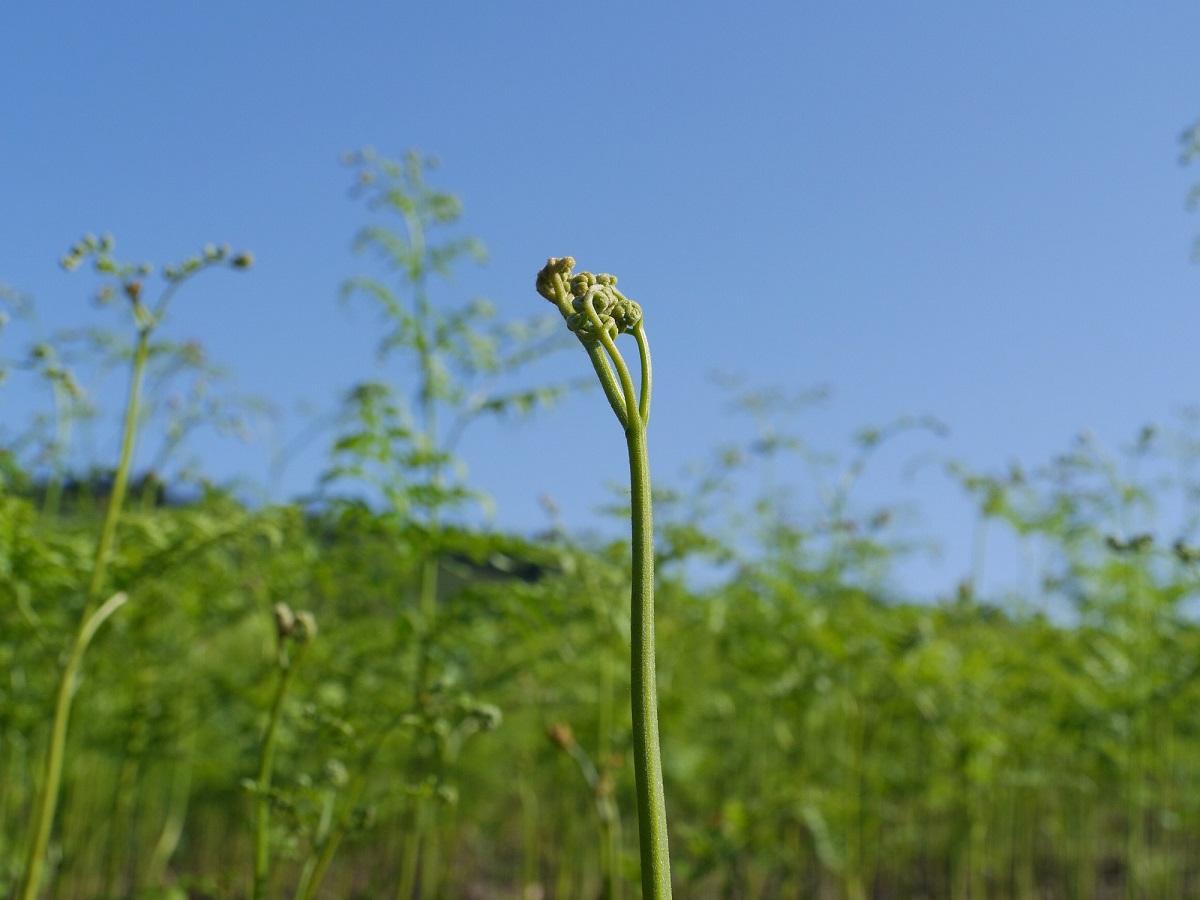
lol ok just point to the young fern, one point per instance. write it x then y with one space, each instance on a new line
597 313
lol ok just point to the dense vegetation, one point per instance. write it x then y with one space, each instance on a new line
363 694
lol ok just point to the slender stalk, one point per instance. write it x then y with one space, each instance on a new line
410 860
530 882
52 771
316 867
415 847
609 383
47 802
262 803
647 757
304 886
431 852
597 312
176 816
108 529
643 343
266 764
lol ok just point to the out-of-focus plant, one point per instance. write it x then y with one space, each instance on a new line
463 366
129 281
71 405
294 633
463 359
599 781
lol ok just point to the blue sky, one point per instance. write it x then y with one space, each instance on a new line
965 210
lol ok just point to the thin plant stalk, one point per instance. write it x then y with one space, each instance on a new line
108 529
303 629
324 826
597 313
47 802
647 755
410 861
176 816
415 843
330 838
94 614
266 763
530 880
52 772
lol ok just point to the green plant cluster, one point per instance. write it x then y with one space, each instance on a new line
365 695
817 738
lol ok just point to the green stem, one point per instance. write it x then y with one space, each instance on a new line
632 408
651 801
47 803
176 816
431 852
52 772
631 396
530 882
266 763
314 872
324 836
643 343
410 859
108 530
609 383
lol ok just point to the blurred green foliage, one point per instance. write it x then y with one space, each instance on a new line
460 725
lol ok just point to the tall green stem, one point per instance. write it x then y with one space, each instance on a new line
89 622
597 313
266 764
647 758
176 816
410 859
415 841
47 800
108 529
315 868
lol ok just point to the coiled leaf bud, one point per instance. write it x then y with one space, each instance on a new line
285 620
555 265
306 627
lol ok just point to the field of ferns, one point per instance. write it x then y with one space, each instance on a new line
366 693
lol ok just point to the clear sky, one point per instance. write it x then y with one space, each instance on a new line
969 210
